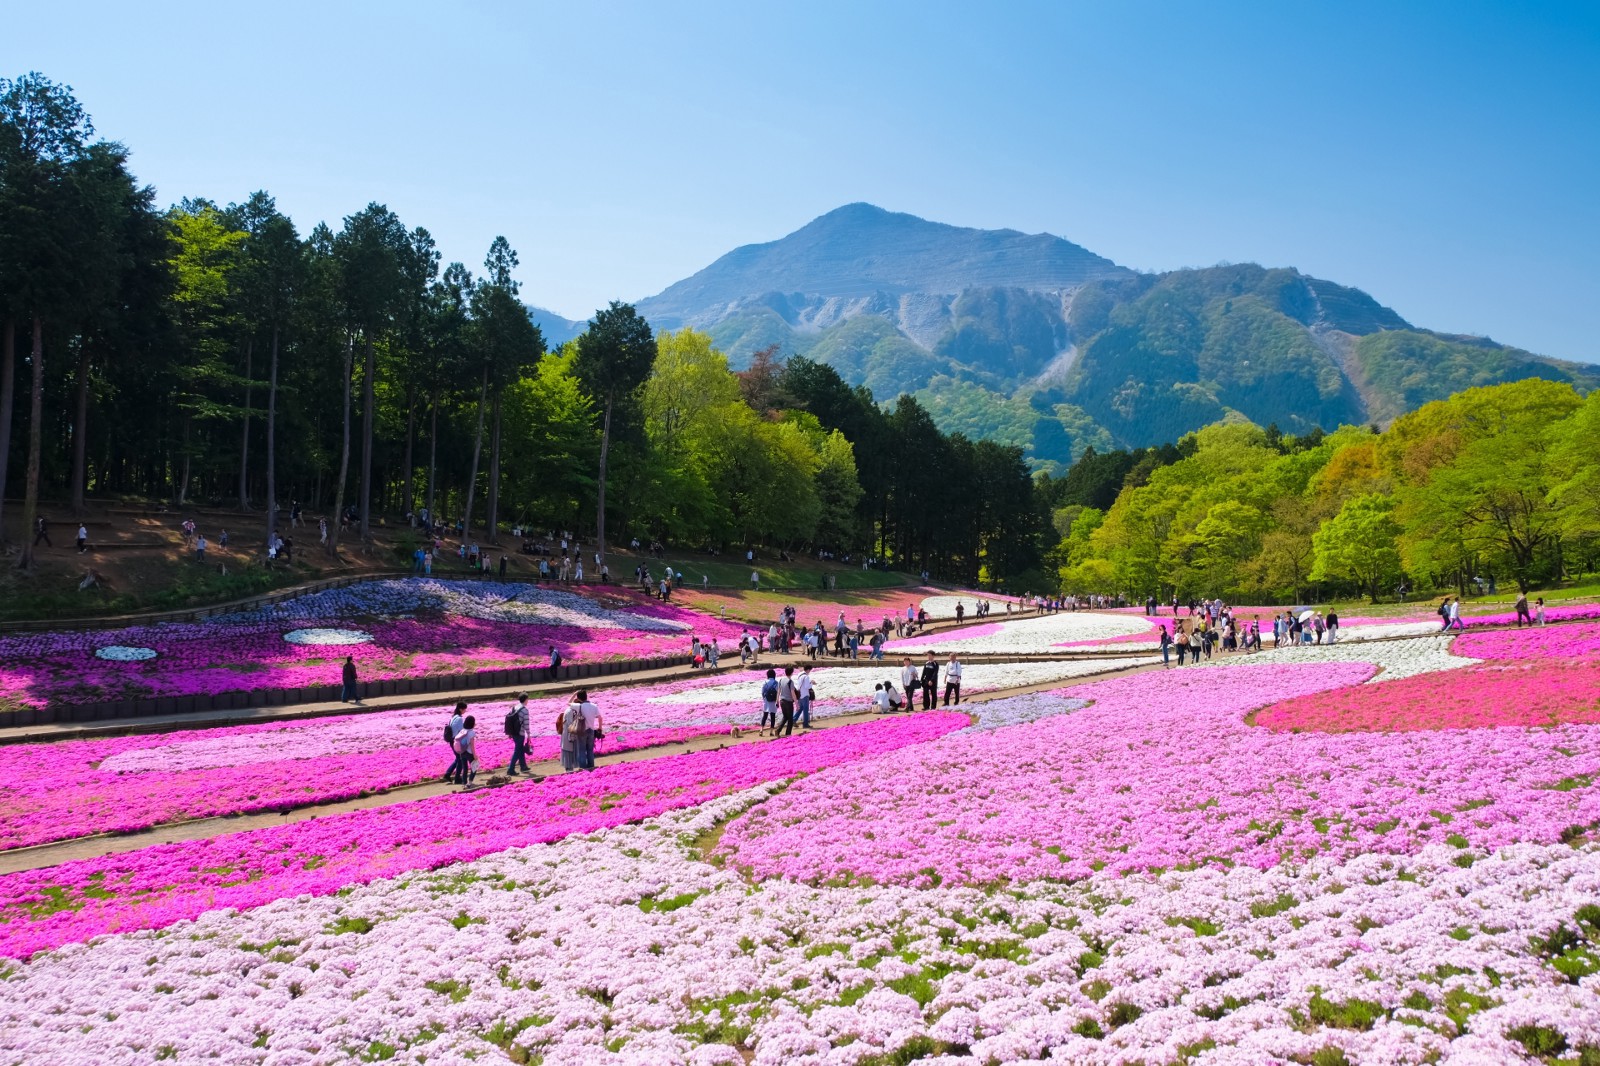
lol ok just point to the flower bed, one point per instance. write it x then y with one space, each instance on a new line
393 629
1488 696
51 792
1578 642
1161 772
625 946
1032 635
159 885
75 788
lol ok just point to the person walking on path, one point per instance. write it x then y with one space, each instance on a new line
200 548
952 680
455 725
1166 644
910 680
517 730
769 703
594 730
83 538
467 749
1522 610
1538 610
930 683
553 671
804 687
347 690
1455 615
1444 614
788 695
1332 622
41 531
1196 642
573 725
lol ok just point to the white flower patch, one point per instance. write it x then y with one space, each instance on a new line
1030 635
1020 710
1383 631
124 653
945 606
856 683
327 637
1398 658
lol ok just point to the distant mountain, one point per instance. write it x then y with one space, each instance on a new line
1035 341
556 330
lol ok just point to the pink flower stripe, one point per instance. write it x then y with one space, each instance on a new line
157 886
1576 612
1574 642
415 628
1493 695
1161 772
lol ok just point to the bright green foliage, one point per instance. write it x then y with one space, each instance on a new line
1358 544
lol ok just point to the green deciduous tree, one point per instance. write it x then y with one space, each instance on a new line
615 355
1359 545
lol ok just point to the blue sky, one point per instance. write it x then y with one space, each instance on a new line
1443 156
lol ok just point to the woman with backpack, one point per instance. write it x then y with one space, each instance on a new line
517 730
769 703
575 735
451 728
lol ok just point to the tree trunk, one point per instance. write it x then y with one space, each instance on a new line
30 499
433 453
409 496
8 385
272 440
477 448
494 474
80 430
368 403
344 455
244 444
183 481
600 507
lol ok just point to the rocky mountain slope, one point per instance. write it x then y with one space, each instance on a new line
1033 340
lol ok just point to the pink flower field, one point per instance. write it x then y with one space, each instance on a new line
399 628
168 882
1369 852
1162 771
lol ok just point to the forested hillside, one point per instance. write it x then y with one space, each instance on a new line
1492 483
215 351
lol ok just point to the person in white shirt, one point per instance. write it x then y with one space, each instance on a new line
952 679
806 691
910 680
83 539
880 699
595 731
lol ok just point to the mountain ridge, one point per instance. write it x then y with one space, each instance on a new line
1036 341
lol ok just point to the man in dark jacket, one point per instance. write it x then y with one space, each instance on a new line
930 683
347 694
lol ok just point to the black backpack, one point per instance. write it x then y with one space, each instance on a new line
513 724
449 734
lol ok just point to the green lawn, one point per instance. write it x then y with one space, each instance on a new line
799 574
